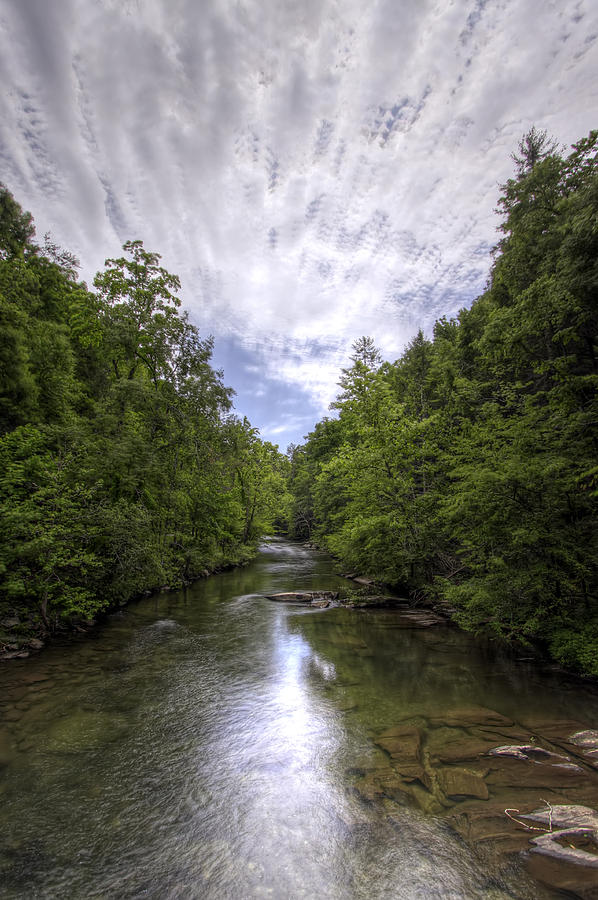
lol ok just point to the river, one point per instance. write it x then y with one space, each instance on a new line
208 744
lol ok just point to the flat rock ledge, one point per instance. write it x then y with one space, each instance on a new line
323 599
318 599
566 855
525 788
408 617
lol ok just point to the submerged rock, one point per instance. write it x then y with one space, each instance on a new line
403 744
84 730
469 716
457 782
567 860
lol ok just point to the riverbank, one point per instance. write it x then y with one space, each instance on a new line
21 638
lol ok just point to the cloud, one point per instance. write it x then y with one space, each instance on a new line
313 171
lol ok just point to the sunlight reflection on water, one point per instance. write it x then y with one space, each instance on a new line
199 745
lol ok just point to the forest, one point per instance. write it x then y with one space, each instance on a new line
123 468
466 473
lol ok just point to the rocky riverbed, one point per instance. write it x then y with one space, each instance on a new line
528 787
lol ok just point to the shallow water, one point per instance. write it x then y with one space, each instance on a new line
205 744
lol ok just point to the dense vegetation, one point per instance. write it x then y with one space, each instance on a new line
122 468
467 471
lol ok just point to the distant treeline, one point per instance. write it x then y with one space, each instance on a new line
467 471
122 468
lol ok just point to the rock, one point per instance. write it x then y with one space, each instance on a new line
528 751
452 745
569 767
567 859
36 644
511 772
561 844
378 784
556 731
564 816
403 745
516 752
456 782
303 596
468 716
361 579
401 740
11 622
426 801
573 878
588 740
486 824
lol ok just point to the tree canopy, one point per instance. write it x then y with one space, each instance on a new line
466 471
122 465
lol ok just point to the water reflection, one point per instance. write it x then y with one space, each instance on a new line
204 744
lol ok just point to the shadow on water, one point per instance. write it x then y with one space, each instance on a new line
206 743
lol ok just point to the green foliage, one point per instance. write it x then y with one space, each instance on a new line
577 648
466 470
121 466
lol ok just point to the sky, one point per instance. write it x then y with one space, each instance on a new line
313 170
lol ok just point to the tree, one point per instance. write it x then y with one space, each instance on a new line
534 146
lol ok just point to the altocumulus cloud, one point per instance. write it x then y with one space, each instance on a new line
313 170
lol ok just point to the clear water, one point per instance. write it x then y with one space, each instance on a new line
204 744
